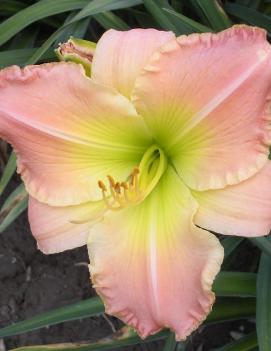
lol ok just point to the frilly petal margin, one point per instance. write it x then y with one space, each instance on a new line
120 56
243 209
68 132
62 228
206 100
151 266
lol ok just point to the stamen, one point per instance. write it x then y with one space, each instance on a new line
133 176
119 196
131 179
102 186
136 170
121 193
124 185
136 176
111 181
117 188
105 198
125 189
112 186
139 184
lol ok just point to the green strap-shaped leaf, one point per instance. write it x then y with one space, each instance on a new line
21 56
249 15
249 3
263 310
230 243
227 309
144 19
13 214
25 40
170 343
8 7
235 284
94 306
35 12
186 24
105 5
154 7
169 19
182 346
92 8
212 14
76 30
8 172
14 205
78 310
246 343
263 244
104 344
109 20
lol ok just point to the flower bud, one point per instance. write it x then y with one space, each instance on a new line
78 51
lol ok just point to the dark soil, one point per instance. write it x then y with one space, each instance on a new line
31 283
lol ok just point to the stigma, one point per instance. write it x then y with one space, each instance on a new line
118 195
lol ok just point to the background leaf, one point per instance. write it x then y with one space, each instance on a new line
263 244
249 15
35 12
212 13
247 343
263 311
14 205
8 172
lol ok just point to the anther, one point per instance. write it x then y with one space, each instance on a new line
136 171
117 188
124 185
111 181
105 198
102 186
133 176
121 193
131 179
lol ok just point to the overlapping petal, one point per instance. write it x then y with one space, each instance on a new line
68 131
120 56
152 266
205 99
62 228
243 209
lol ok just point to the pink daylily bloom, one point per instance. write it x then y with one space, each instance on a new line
168 136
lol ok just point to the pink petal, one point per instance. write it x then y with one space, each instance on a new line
62 228
68 131
243 209
152 267
205 100
120 56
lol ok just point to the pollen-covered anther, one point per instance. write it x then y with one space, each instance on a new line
117 188
134 175
102 186
124 185
111 181
121 194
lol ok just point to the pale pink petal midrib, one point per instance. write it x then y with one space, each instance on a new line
154 285
218 99
60 134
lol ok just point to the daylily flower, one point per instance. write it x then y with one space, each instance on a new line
168 136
